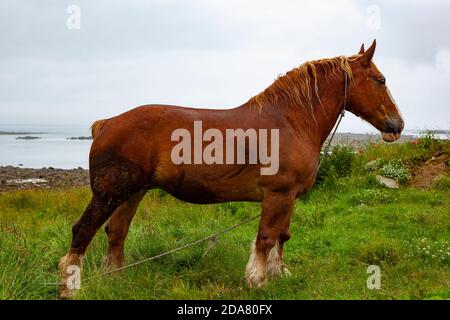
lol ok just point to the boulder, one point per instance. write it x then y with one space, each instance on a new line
388 182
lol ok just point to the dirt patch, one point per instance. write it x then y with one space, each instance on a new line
425 174
13 178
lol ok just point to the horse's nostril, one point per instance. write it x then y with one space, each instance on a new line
390 127
394 126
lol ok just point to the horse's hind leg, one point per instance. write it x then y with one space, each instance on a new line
117 230
264 257
112 184
97 212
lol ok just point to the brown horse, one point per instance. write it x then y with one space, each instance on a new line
132 153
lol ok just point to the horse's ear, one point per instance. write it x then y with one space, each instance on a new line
368 55
361 51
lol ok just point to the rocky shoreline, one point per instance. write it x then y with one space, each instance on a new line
14 178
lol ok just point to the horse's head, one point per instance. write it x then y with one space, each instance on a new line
370 99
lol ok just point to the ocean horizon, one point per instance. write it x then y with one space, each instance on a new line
51 145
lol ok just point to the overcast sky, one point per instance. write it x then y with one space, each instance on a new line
207 53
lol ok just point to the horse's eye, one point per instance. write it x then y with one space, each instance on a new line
382 81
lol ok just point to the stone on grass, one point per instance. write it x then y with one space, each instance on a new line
388 182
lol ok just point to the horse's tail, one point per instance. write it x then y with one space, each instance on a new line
97 127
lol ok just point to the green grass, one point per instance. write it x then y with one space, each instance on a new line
345 224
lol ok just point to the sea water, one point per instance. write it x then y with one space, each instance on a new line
52 149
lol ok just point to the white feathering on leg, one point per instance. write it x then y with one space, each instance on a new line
274 263
256 270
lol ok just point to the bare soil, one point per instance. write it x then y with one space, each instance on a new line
425 174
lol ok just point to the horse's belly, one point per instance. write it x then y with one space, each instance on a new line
204 192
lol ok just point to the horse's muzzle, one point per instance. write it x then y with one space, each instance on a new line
392 129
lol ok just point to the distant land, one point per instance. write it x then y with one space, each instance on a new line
438 131
359 139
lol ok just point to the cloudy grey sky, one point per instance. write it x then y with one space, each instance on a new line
210 54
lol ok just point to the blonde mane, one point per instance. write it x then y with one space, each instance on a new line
299 86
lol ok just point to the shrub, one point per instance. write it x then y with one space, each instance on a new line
395 169
428 142
372 165
425 147
329 179
337 164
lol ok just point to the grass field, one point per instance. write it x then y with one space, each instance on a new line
345 224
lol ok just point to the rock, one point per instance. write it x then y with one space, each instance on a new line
388 182
80 138
28 138
26 181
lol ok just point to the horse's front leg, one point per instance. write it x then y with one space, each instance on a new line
276 264
265 258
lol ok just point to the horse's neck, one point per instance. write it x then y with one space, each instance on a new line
318 126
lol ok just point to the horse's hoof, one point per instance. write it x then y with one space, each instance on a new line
110 264
66 293
255 281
